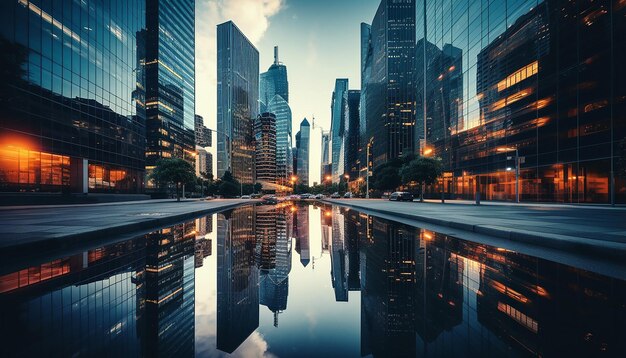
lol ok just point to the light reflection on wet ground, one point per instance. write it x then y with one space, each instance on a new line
291 280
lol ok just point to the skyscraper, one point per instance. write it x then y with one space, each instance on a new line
326 168
237 102
274 97
303 152
265 152
66 124
170 81
352 136
366 70
390 89
203 134
339 114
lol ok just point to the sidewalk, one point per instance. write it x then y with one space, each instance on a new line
596 230
44 226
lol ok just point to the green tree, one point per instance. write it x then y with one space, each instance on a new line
173 171
423 170
228 186
385 177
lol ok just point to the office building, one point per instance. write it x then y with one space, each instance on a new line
170 81
366 70
327 167
203 134
265 152
390 87
352 136
274 98
71 109
540 79
303 152
338 120
237 102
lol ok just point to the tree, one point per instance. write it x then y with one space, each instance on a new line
173 171
229 186
385 177
422 170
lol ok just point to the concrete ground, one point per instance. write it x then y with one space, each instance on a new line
24 226
600 229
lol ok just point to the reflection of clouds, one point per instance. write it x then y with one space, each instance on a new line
254 346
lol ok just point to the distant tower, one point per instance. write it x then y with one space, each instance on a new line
303 152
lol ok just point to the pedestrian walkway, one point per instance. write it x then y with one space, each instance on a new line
598 229
63 223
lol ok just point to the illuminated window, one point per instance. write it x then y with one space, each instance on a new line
518 76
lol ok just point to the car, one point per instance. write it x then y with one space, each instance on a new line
294 197
319 196
305 196
255 196
347 195
335 195
269 200
246 197
401 196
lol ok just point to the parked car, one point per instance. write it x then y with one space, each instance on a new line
255 196
335 195
294 197
319 196
246 197
305 196
269 200
401 196
347 195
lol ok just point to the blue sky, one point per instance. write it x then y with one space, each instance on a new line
319 41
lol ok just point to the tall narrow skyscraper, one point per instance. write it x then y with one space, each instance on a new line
237 102
339 113
274 97
351 138
265 142
303 152
170 81
390 89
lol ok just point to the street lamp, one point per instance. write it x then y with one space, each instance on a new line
293 182
517 162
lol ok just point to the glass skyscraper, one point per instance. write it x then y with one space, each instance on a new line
540 77
352 137
237 102
170 80
390 88
265 152
71 104
339 114
303 152
274 97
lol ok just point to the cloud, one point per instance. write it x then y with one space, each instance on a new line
251 16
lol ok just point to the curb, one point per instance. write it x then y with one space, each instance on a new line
603 249
61 241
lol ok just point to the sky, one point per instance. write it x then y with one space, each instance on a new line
318 40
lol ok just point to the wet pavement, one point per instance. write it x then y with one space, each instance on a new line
306 281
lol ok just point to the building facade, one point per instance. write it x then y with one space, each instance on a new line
274 98
203 134
536 78
170 81
265 144
352 137
303 152
390 85
71 109
338 120
237 102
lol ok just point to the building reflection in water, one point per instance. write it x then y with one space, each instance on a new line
421 293
428 294
129 299
301 232
274 245
237 278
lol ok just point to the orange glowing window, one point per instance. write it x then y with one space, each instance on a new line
33 275
518 76
28 167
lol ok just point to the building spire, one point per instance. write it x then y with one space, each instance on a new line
276 55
